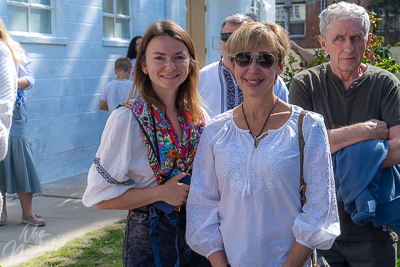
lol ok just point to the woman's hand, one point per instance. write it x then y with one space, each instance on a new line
174 192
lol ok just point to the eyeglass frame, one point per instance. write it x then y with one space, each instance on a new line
256 57
223 35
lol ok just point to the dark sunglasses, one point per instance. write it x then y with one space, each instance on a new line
264 60
225 36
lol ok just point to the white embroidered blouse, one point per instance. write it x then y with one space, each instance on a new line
121 161
246 199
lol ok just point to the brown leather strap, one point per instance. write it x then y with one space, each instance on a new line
302 143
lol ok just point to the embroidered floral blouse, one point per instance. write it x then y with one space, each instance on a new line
247 200
121 161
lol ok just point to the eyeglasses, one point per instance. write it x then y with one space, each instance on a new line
225 36
264 60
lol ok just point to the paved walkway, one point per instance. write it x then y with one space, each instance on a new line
66 218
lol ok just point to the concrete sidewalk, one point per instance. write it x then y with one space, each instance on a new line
66 217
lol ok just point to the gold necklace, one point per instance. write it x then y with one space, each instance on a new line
256 141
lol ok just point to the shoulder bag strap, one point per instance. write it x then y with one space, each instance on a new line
302 143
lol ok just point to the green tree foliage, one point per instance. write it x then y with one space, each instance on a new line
376 55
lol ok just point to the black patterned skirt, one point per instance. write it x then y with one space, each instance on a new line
137 249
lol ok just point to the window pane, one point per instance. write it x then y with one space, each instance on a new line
296 28
108 27
280 13
108 6
298 12
392 23
122 28
17 18
123 7
282 23
40 20
43 2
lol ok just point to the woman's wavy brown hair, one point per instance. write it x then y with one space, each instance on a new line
187 91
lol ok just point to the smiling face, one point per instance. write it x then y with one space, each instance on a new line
167 64
254 80
346 44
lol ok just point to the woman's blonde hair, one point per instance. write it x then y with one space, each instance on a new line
253 35
14 45
187 91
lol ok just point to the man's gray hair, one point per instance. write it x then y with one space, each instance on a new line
342 11
235 19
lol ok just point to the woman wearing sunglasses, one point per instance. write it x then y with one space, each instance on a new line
244 196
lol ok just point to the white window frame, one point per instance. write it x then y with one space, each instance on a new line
256 10
114 41
35 37
283 20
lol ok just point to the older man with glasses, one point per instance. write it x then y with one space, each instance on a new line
217 85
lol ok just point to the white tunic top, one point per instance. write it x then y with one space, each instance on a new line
121 158
247 200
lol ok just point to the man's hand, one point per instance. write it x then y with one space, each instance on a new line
376 129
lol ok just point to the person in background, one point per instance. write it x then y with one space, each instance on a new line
133 50
360 103
8 93
18 170
244 196
144 141
217 85
305 56
252 16
117 91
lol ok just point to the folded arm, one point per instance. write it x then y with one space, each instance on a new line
349 135
393 156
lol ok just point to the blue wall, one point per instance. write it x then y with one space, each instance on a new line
71 68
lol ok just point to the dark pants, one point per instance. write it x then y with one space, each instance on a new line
137 249
361 254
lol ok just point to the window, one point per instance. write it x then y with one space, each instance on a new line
256 8
297 19
33 16
380 24
116 19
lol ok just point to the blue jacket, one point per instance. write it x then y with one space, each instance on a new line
368 192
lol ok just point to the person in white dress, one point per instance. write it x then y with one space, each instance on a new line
18 172
244 197
144 141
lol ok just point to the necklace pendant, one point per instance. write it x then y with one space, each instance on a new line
256 142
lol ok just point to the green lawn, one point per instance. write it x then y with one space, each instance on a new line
102 247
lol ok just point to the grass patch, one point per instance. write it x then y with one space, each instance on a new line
102 247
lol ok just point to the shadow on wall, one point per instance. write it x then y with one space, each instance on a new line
64 120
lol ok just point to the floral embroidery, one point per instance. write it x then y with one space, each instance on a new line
165 151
